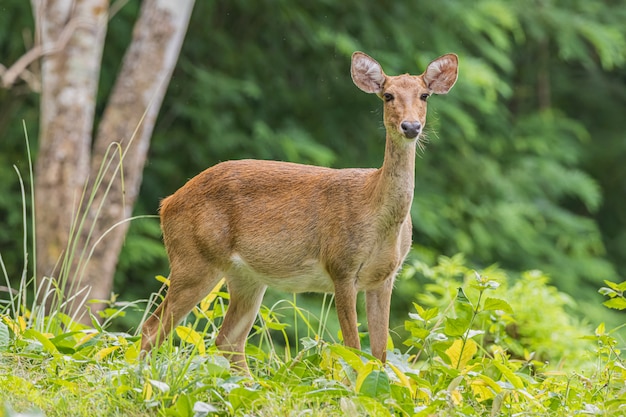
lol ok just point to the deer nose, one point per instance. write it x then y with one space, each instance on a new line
411 129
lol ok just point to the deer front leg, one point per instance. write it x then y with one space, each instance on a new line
378 302
345 302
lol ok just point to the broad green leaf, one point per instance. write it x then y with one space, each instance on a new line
419 333
455 326
373 382
351 358
182 406
47 345
497 304
423 314
461 353
616 303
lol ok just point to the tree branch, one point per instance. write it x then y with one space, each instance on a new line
19 68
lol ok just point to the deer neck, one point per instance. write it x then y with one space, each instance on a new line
395 181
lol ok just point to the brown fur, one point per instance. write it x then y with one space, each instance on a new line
300 228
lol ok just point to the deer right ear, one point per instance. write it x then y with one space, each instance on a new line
366 73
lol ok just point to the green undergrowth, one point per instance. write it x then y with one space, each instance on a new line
475 344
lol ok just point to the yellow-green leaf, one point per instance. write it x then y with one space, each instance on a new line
131 355
600 330
372 382
616 303
208 300
484 390
104 352
147 391
163 280
86 338
404 380
460 354
515 380
189 335
47 345
349 356
497 304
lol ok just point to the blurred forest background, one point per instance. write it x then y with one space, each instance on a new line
526 161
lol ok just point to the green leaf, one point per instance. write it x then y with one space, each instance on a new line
47 345
456 326
461 297
616 303
497 304
373 382
507 373
621 287
351 358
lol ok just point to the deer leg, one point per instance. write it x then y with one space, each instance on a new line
345 302
245 300
186 290
378 302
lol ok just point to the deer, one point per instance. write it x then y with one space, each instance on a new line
301 228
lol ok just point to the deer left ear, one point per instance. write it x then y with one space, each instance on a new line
441 74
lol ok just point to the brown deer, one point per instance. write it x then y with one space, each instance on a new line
301 228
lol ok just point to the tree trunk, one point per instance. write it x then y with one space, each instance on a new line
79 237
69 84
125 130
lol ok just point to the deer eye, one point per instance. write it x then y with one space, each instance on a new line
387 97
424 97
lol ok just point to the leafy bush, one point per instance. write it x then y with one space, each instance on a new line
542 325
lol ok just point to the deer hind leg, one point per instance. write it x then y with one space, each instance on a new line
378 302
190 282
245 299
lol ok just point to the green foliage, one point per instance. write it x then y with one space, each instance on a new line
544 327
616 293
464 358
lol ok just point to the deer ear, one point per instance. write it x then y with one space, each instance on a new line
441 74
366 73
